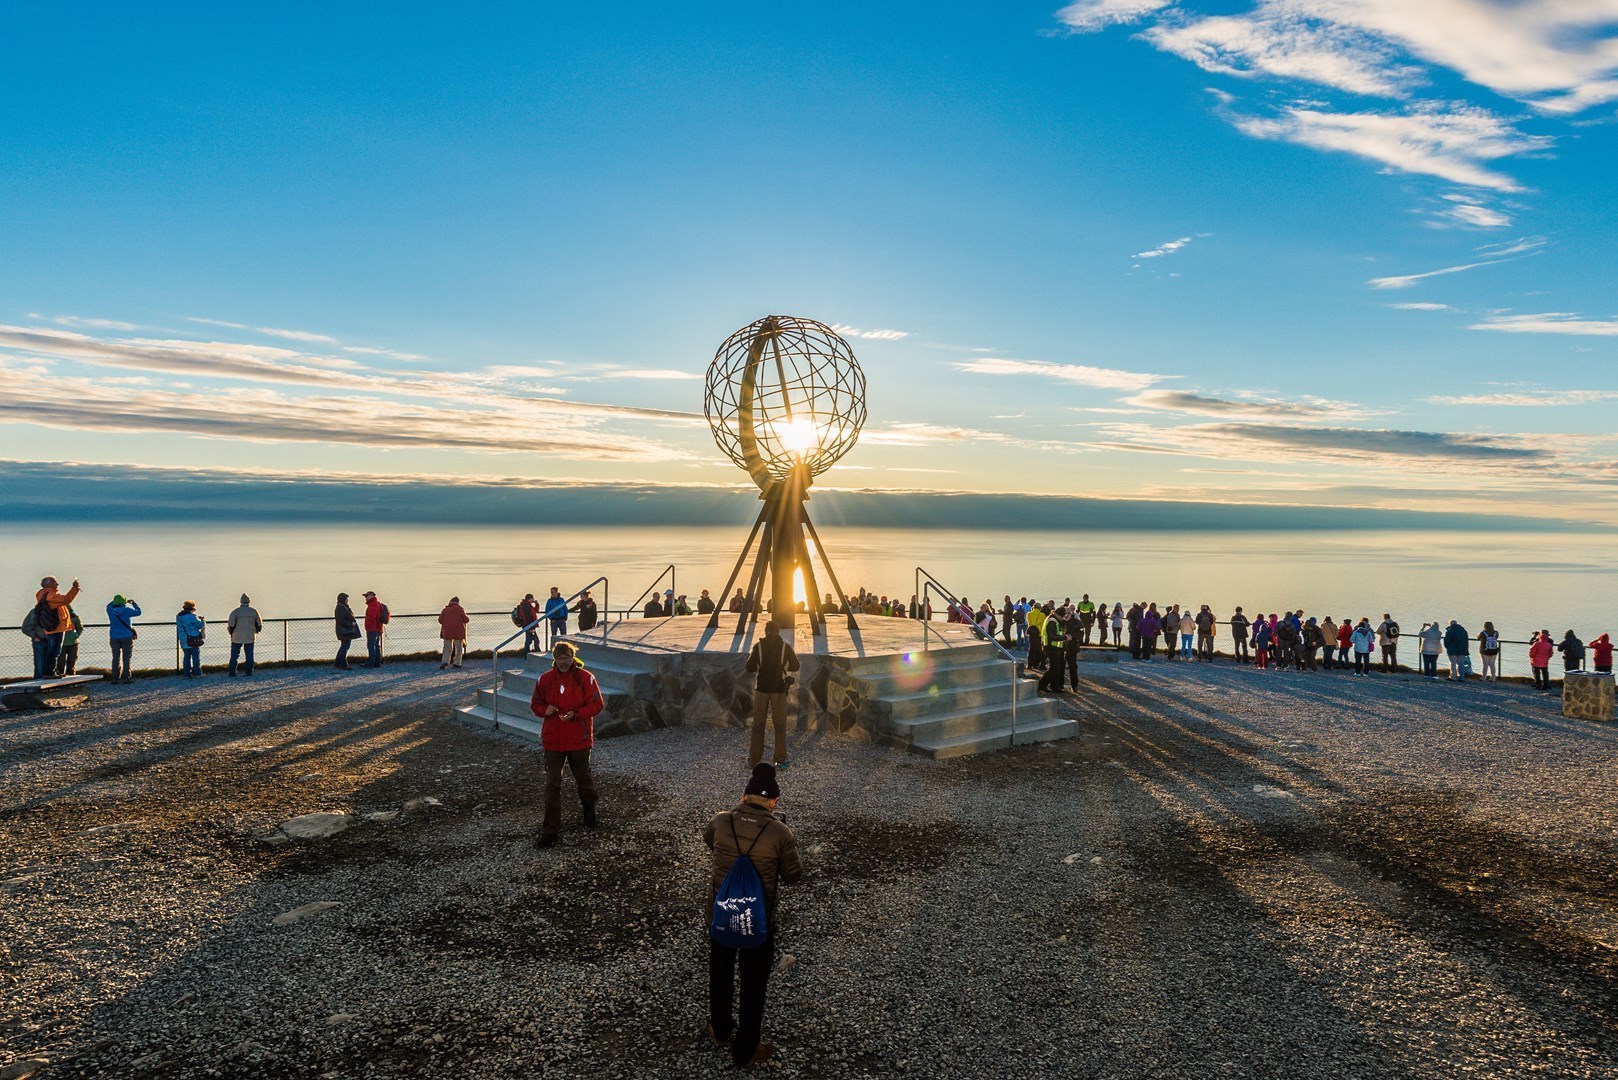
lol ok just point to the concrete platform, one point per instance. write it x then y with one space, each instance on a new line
933 688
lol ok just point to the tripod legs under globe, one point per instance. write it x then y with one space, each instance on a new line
783 531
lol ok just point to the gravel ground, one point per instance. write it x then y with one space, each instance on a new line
1231 873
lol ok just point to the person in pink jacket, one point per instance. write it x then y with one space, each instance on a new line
1540 649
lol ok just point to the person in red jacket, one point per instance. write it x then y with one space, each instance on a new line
376 617
1539 659
567 699
1601 653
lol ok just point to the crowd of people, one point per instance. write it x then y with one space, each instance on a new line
1050 634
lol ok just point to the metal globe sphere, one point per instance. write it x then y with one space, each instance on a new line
789 390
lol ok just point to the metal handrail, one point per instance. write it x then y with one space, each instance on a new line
921 596
668 572
526 630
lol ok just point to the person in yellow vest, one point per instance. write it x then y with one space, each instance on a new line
1087 619
1055 634
1036 637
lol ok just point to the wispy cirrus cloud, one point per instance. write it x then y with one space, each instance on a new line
391 354
1464 210
869 335
288 335
1286 442
84 321
1086 15
1489 255
1531 398
1549 322
256 415
1419 305
1075 374
1167 248
1252 406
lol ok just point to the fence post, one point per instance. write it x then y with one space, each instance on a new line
284 656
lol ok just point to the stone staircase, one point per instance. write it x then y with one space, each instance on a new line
954 702
626 676
945 702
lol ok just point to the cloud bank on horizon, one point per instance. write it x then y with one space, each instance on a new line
1343 252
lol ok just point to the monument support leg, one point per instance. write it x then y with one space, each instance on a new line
730 582
825 560
755 581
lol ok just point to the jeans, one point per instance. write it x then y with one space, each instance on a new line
121 650
1240 647
1542 678
578 763
240 649
342 652
1342 654
46 650
373 649
768 707
191 661
1185 646
1362 663
755 970
530 642
1429 665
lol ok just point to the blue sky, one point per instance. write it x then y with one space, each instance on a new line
1353 252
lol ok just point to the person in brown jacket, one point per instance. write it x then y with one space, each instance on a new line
774 663
452 628
752 828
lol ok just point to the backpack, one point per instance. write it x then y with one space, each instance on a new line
45 619
27 626
1393 630
1491 643
739 920
516 616
386 617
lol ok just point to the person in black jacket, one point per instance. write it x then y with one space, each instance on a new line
348 631
773 662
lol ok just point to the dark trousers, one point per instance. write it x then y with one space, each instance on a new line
578 763
241 650
121 650
46 650
1542 678
1134 642
1205 647
1240 648
342 652
1052 679
1036 650
373 649
191 661
755 966
1390 657
530 642
1084 633
1072 655
1362 663
67 663
1429 664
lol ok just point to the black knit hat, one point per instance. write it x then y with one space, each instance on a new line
763 782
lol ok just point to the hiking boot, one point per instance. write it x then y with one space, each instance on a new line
590 819
714 1035
546 840
764 1053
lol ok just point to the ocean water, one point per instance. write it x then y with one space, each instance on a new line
1522 582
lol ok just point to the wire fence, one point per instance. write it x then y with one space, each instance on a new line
304 640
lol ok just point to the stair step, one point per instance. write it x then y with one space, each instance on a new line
899 678
939 657
974 719
987 741
514 725
934 700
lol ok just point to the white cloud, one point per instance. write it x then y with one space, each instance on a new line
1419 306
1466 212
88 323
367 350
1251 406
1087 15
1078 374
1492 254
1550 322
1453 143
289 335
1532 398
655 374
869 335
1283 43
1168 248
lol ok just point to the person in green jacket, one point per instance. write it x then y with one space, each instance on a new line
1055 632
67 662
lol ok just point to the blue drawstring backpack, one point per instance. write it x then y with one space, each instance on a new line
738 920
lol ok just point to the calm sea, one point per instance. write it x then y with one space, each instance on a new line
1520 581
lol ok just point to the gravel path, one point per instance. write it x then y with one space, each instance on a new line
1231 873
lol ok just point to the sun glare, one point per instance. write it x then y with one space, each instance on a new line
799 435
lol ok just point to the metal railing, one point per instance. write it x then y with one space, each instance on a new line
668 572
957 604
523 633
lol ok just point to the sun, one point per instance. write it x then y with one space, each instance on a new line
799 435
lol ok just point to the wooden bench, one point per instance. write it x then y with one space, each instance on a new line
60 693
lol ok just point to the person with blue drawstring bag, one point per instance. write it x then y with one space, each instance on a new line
753 850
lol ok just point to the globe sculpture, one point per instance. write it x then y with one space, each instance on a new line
785 398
